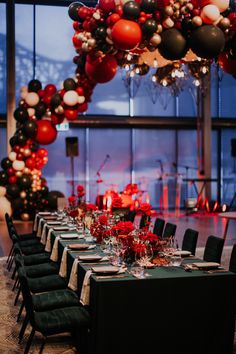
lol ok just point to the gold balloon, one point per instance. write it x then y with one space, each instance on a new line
27 152
26 170
18 173
25 217
23 194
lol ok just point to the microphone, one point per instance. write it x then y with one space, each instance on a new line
108 156
174 164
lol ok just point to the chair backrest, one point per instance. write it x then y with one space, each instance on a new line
169 230
232 261
189 242
213 249
159 227
27 297
144 219
130 215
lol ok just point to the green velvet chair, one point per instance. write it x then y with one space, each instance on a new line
232 261
213 249
169 230
159 227
73 319
189 242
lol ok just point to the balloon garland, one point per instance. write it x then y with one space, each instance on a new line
115 33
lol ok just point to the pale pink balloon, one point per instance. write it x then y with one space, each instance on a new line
210 14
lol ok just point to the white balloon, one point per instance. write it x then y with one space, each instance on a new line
32 98
221 4
210 14
81 99
31 111
18 165
12 156
3 191
5 207
71 98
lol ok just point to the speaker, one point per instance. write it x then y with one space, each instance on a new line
233 147
72 146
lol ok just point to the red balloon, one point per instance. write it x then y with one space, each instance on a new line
71 114
106 5
42 152
227 64
30 163
10 171
83 107
101 69
50 89
46 133
12 179
57 119
126 34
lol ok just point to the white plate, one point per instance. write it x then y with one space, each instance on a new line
78 246
69 236
90 257
106 270
44 213
182 253
206 265
54 223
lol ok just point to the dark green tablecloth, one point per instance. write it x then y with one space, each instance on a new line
170 312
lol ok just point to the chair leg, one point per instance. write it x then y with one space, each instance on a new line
11 262
10 253
43 345
20 311
23 328
13 274
17 296
15 283
28 344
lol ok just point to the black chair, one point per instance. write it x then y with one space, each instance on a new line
130 215
73 319
159 227
144 220
232 261
213 249
169 230
189 242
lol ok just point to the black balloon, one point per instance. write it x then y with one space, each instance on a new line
52 199
233 47
56 100
21 139
173 45
21 114
34 86
44 190
73 10
13 141
24 181
31 195
207 41
6 163
69 84
131 10
149 27
148 6
17 205
34 146
3 178
13 190
30 128
40 109
100 32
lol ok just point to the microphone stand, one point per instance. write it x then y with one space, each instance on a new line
99 180
161 186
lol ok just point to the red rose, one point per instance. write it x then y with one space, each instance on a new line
72 199
80 191
117 202
91 207
145 208
74 213
124 227
103 219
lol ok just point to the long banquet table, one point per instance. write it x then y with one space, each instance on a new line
170 312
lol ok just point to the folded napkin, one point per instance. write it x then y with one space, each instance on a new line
54 254
35 223
48 246
85 292
39 231
63 266
73 281
44 235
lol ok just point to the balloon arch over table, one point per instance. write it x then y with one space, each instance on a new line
115 33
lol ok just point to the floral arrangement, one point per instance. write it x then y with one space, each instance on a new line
131 188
